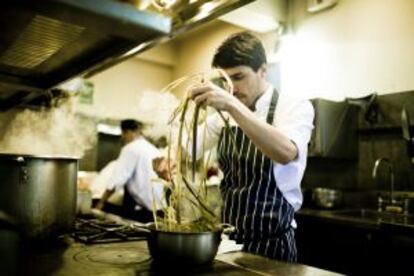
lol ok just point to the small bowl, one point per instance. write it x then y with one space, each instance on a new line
327 198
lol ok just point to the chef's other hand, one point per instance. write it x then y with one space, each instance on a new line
100 205
212 95
164 167
212 171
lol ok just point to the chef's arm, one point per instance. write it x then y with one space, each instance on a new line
107 194
123 171
268 139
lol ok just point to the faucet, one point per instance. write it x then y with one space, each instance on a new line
391 170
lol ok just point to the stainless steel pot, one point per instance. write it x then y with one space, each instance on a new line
40 192
184 248
327 198
10 245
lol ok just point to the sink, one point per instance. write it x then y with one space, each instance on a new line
375 216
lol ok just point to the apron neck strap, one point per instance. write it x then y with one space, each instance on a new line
272 107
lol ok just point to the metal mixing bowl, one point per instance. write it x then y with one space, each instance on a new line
327 198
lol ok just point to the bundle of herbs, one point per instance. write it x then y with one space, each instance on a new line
185 189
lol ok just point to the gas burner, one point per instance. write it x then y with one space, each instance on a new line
103 231
120 254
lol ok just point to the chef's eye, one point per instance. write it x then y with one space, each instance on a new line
237 77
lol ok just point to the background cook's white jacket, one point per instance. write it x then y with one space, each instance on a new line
134 169
294 118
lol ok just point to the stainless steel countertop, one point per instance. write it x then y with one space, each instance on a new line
397 223
132 258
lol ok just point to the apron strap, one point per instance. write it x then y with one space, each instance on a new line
272 107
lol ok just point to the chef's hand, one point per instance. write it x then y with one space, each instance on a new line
164 168
212 95
100 205
106 195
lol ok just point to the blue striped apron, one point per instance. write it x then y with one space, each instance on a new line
252 202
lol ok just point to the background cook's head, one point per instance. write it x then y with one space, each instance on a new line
131 130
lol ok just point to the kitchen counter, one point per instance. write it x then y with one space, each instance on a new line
355 241
363 218
132 258
335 216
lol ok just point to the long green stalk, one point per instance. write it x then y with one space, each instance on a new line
194 152
179 154
202 205
232 137
197 197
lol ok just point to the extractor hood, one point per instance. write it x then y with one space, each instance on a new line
44 43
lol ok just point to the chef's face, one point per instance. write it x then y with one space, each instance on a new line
128 136
248 85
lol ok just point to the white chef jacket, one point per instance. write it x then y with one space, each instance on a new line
134 169
294 118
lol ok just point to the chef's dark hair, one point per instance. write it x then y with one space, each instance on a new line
240 49
131 124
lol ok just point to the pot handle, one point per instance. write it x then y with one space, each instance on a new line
23 175
145 228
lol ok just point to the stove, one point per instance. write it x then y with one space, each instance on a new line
115 258
95 230
107 246
133 258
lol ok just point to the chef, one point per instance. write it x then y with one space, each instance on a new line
134 172
263 168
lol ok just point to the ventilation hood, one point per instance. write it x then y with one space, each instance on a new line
44 43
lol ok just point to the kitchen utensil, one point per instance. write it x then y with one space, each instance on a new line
181 248
407 135
40 192
327 198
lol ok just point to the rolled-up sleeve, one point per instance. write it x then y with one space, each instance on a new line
296 122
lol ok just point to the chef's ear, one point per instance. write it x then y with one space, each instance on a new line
262 71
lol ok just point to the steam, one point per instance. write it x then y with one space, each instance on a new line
56 131
155 109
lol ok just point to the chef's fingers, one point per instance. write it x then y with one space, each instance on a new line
202 100
156 163
167 164
199 90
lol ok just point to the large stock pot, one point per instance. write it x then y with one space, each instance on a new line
40 192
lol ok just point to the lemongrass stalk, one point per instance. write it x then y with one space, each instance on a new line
154 207
202 205
179 155
232 137
194 152
173 218
205 174
169 160
187 146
